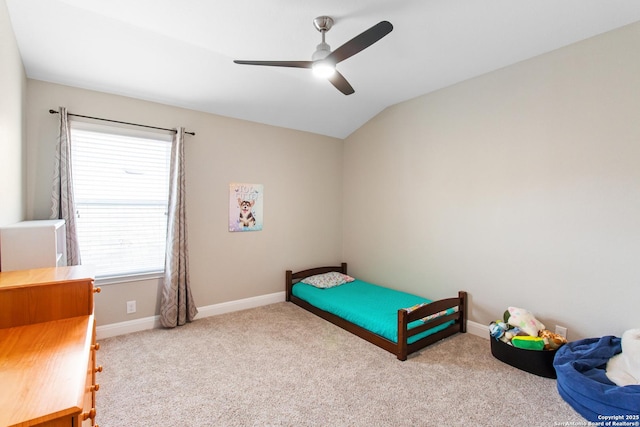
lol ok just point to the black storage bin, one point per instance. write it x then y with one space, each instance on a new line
538 362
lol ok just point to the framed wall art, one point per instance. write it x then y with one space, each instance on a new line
245 207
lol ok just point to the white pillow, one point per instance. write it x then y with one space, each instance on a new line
327 280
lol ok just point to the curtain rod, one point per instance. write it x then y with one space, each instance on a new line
124 123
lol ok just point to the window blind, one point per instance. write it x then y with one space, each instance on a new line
121 187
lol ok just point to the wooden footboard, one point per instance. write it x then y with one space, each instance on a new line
432 314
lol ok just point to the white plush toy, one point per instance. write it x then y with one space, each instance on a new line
624 368
525 320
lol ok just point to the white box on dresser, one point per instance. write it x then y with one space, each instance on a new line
33 244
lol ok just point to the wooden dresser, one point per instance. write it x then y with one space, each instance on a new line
47 347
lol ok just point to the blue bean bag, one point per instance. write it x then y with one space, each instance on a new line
583 383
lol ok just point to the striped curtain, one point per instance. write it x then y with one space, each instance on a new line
177 306
62 203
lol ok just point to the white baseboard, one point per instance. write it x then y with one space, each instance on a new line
477 329
121 328
152 322
243 304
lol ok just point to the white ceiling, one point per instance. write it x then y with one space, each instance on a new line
181 52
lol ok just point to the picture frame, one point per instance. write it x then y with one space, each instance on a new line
246 207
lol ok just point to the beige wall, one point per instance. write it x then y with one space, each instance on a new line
521 186
12 124
301 174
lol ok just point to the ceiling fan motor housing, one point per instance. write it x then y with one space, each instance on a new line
322 51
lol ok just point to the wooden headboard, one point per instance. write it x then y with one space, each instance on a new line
292 277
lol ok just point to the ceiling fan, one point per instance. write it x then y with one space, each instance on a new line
323 61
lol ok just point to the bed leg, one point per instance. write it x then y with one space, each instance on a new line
462 308
288 285
402 334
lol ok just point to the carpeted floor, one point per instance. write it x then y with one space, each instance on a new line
279 365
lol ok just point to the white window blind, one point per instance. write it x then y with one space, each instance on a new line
121 193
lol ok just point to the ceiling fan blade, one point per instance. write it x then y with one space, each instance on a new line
361 42
341 83
294 64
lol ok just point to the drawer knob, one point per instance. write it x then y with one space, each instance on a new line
95 387
95 346
99 368
97 290
91 414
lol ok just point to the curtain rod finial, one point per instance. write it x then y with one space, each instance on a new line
53 112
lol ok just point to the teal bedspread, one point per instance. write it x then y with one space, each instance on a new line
369 306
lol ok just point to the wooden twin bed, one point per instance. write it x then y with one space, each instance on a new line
417 326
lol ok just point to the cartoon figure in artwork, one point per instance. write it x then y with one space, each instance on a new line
246 218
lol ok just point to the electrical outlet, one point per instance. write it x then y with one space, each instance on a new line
561 330
131 307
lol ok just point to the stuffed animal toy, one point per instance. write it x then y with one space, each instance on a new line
525 320
528 343
513 332
502 331
624 368
551 341
497 329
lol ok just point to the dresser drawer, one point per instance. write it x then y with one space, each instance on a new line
45 294
48 367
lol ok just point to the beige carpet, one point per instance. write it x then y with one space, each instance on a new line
279 365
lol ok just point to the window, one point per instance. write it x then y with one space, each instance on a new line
121 184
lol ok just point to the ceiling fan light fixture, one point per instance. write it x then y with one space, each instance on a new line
323 69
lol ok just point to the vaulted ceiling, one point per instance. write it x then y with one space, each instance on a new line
181 52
